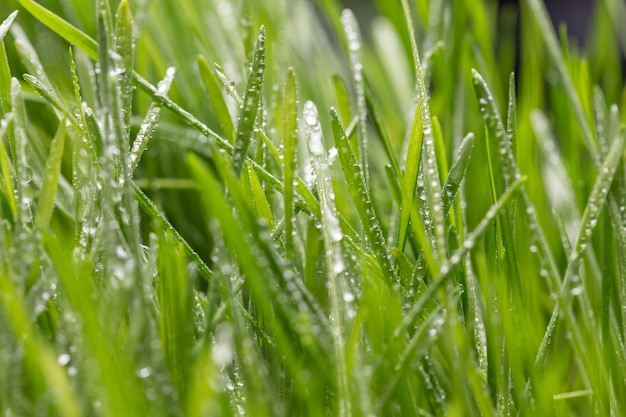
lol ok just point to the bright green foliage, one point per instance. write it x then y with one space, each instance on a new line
312 213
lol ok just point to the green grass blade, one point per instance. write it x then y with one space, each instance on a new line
430 169
353 37
409 181
247 118
174 293
360 198
51 179
332 235
46 365
152 210
149 124
290 140
62 27
542 20
5 71
457 171
6 167
124 62
217 98
6 24
51 97
257 195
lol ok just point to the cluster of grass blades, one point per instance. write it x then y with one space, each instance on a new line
310 215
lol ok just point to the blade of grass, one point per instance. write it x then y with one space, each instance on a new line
332 235
290 140
430 169
124 47
51 179
457 171
353 37
360 197
217 98
245 126
149 124
6 167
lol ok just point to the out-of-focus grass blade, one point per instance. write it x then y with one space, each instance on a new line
20 150
353 37
247 118
5 72
115 374
124 47
290 141
176 319
541 18
360 197
46 365
29 55
6 24
457 171
217 98
51 179
379 125
149 124
343 99
62 27
5 167
257 194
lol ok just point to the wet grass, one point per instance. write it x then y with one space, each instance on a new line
271 208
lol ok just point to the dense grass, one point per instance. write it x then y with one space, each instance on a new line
270 208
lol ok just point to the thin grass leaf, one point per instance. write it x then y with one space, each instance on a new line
430 169
332 234
51 179
409 182
593 209
6 167
217 98
175 295
51 97
152 210
124 63
379 125
247 118
290 140
5 71
457 171
20 152
6 24
62 27
360 198
149 123
353 37
257 195
343 99
440 149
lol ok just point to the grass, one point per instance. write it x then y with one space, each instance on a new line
275 208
